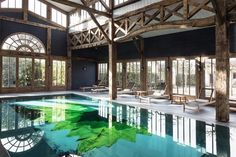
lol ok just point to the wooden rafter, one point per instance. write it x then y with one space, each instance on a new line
98 24
84 7
167 14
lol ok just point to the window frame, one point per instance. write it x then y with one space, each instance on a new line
8 5
59 86
182 75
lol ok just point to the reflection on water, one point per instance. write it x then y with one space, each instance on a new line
64 127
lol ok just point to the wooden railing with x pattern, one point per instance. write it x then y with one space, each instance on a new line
167 14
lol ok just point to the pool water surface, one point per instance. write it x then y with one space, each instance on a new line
73 125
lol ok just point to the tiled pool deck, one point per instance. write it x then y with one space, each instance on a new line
207 113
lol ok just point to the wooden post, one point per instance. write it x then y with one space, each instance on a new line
124 70
112 58
143 73
112 71
222 64
25 9
169 76
49 62
69 55
1 80
199 72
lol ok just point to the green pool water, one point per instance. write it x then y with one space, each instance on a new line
72 125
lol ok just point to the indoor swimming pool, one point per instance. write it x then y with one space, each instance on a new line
61 125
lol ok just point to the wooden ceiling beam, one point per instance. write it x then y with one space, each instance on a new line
182 24
83 7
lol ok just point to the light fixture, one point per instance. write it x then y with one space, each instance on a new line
84 68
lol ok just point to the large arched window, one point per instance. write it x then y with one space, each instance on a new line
23 42
21 143
20 70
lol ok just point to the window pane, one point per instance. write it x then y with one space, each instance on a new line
23 42
133 74
31 5
39 72
102 74
25 72
184 76
8 72
233 78
18 3
156 75
59 73
119 77
12 4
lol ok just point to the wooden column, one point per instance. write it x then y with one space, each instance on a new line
69 55
49 12
112 57
112 63
169 76
49 61
124 73
143 72
222 63
199 72
25 4
0 81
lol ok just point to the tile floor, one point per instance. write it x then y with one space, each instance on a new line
207 113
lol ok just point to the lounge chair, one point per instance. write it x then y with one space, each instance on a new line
100 85
201 100
103 89
156 94
129 90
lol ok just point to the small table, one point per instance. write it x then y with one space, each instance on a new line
181 99
140 93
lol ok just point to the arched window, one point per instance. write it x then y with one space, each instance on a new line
23 42
21 143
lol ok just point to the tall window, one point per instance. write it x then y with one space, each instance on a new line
25 72
8 72
11 4
39 72
38 7
59 18
210 69
156 76
184 76
232 87
119 75
23 42
133 73
102 73
59 73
